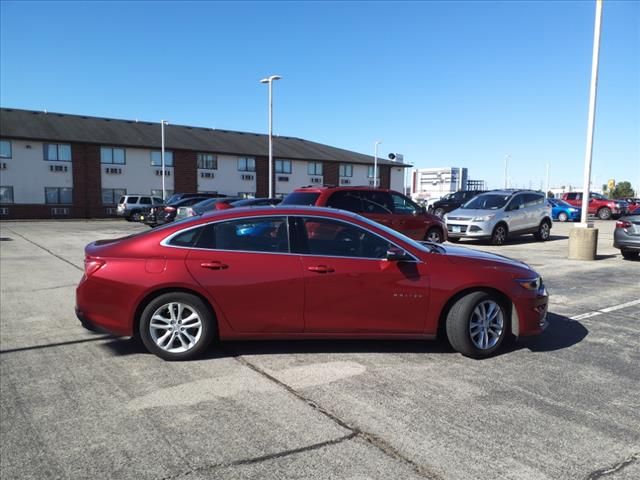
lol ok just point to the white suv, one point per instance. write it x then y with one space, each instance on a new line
129 205
498 214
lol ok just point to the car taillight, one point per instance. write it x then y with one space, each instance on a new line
92 265
169 209
623 224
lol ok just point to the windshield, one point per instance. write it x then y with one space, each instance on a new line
301 198
488 201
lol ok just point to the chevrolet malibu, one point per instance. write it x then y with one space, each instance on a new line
302 272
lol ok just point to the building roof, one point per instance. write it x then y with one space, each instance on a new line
62 127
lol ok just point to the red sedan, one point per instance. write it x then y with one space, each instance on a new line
301 272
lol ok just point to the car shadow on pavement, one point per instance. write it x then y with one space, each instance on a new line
519 240
561 333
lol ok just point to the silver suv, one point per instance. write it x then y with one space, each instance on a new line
129 205
499 214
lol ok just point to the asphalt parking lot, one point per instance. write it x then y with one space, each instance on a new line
80 405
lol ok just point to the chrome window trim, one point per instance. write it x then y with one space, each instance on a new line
164 242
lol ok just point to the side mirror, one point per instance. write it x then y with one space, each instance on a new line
395 254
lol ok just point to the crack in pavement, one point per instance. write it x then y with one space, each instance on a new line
46 250
374 440
263 458
615 468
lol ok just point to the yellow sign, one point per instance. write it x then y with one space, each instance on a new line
611 184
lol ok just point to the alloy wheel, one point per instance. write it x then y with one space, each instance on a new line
486 325
175 327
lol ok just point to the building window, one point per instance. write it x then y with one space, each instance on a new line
5 148
112 155
314 168
346 170
110 196
57 152
58 195
6 195
158 193
283 166
246 164
208 161
370 172
156 159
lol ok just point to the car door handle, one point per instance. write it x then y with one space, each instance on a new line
321 269
214 265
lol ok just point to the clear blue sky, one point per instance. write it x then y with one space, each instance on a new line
445 83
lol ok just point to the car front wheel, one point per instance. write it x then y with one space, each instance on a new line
604 213
544 231
177 326
499 235
477 325
563 217
434 235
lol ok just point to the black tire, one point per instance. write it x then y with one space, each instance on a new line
459 325
544 231
604 213
500 234
190 302
434 234
630 254
439 212
563 217
453 239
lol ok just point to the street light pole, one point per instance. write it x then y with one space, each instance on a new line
506 166
592 114
547 191
162 124
270 80
375 163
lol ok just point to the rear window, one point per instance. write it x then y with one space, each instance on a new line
301 198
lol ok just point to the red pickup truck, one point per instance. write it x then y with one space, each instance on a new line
604 208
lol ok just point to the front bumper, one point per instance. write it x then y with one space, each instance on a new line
458 229
532 314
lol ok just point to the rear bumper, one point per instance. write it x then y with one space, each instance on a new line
99 311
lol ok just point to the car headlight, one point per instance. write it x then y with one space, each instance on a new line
533 284
484 218
573 209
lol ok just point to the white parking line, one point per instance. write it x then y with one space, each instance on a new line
582 316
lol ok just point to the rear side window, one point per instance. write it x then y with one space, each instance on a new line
301 198
186 239
345 200
263 234
376 202
403 206
132 200
145 201
532 199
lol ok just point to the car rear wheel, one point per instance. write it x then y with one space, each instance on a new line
434 235
544 231
604 213
629 254
477 325
177 326
563 217
499 235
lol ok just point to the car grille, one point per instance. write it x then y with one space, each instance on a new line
458 228
460 219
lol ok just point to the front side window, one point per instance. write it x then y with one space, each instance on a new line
314 168
6 195
403 206
376 201
57 152
246 164
112 155
516 203
533 199
5 148
145 200
346 170
110 196
58 195
325 237
263 234
345 200
156 159
283 166
207 161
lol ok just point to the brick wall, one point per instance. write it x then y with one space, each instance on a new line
35 211
331 171
385 176
87 181
185 171
262 177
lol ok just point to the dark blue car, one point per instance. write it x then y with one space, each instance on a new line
564 212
